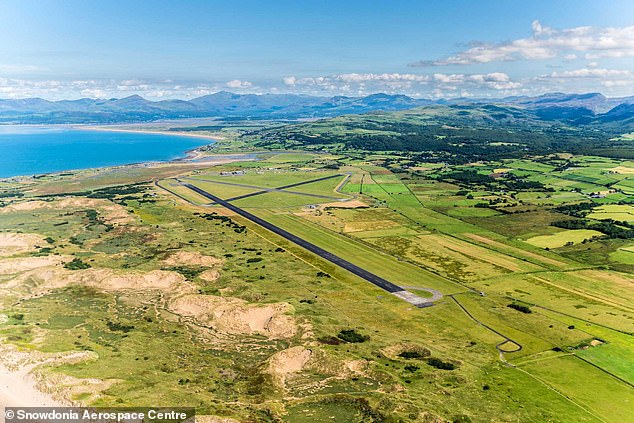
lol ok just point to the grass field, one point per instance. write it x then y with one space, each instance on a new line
562 238
622 213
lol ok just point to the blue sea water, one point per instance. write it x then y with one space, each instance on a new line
27 150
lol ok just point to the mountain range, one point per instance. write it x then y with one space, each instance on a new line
573 108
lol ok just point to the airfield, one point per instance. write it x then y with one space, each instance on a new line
264 289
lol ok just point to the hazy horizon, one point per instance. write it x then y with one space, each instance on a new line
321 96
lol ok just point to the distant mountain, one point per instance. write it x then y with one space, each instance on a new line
571 108
221 104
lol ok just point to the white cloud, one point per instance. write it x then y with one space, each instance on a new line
403 83
93 93
591 73
236 83
591 78
383 77
103 88
546 43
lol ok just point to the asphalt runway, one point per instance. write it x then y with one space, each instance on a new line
352 268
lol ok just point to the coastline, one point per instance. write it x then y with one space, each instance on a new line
147 131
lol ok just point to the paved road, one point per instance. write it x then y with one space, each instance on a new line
353 268
506 338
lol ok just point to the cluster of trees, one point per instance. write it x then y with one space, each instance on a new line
577 210
509 182
609 227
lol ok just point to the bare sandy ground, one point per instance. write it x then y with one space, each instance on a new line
18 388
15 243
236 316
192 258
286 362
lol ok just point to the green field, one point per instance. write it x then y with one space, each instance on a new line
562 238
623 213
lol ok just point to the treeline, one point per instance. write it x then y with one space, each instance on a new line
611 228
509 182
577 210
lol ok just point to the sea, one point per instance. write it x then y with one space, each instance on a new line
34 150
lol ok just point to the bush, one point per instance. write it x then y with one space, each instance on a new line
411 368
76 264
439 364
113 326
520 307
352 336
411 354
330 340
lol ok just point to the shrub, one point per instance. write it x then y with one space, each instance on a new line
330 340
118 327
439 364
520 307
76 264
411 354
352 336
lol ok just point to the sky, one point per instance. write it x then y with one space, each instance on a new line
69 49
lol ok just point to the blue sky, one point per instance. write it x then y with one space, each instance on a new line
182 49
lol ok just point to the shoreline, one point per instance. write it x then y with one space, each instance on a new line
147 131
